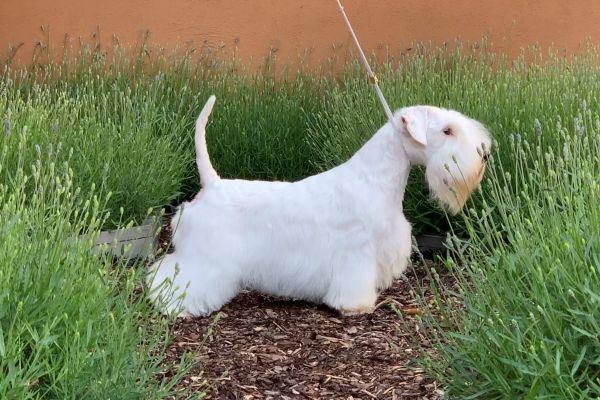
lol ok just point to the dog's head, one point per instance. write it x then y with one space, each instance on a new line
452 147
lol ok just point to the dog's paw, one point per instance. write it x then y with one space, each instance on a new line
349 312
185 315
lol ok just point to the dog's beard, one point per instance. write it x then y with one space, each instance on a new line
452 186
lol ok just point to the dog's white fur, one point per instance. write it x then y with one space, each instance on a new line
337 237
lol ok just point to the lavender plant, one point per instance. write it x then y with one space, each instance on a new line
523 319
72 323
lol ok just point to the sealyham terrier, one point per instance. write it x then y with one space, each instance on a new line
338 237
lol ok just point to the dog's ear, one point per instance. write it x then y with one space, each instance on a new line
415 122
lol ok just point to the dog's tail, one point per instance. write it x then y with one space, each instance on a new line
207 173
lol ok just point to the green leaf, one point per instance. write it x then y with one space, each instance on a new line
2 348
578 361
535 388
557 362
584 332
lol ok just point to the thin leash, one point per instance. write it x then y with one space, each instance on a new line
372 77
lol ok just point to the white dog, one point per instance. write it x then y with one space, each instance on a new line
335 238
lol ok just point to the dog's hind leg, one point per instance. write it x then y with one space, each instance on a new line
179 286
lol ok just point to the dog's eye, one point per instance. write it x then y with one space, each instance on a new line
447 131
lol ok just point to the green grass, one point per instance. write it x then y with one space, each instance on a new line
130 120
110 145
524 321
130 123
73 324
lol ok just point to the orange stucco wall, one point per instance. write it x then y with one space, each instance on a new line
293 26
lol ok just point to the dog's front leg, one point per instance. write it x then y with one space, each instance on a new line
353 288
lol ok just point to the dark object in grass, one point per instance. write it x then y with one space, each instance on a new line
430 246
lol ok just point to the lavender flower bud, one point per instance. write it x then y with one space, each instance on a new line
579 127
538 127
7 124
54 127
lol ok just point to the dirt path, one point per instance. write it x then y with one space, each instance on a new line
260 347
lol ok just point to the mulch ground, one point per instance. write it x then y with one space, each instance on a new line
260 347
